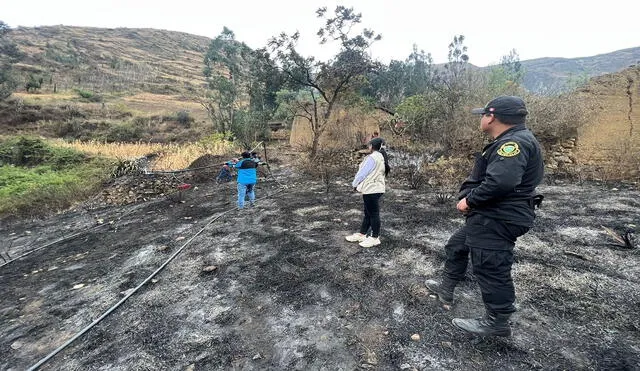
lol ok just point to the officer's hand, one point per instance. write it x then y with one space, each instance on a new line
462 206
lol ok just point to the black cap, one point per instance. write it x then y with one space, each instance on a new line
505 105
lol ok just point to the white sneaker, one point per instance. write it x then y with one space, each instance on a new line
356 237
370 242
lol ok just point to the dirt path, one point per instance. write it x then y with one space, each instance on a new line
290 293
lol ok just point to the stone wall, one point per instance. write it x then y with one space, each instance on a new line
561 156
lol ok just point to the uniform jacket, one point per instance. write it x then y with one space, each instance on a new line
247 171
505 176
370 176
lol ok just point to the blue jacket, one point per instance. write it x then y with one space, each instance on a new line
247 171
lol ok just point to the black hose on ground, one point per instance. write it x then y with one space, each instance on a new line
149 278
63 239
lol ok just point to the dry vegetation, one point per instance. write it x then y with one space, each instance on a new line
107 84
112 59
164 156
350 128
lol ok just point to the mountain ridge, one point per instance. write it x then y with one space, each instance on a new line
171 62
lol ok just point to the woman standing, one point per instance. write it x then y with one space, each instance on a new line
370 181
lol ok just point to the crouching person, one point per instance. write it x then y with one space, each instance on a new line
370 181
247 179
224 175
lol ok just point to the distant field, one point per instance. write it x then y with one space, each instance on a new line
142 104
167 156
155 103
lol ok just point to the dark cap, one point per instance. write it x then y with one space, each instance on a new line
505 105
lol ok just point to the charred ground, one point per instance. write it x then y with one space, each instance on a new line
289 293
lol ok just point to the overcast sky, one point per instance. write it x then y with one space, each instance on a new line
536 28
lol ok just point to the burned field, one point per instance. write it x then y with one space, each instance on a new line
283 290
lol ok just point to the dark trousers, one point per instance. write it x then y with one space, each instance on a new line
490 243
371 217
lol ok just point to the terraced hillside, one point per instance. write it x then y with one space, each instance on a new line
107 60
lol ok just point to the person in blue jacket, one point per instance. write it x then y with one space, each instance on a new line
247 178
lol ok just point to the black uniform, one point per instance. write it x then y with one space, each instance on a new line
500 193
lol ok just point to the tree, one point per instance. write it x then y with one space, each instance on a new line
4 29
389 85
437 113
242 86
419 114
224 70
419 72
386 86
325 82
506 77
452 79
9 54
264 83
34 83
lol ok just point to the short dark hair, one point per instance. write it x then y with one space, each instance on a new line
376 143
245 154
510 120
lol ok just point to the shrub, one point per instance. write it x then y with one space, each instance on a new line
428 120
328 165
555 119
123 133
416 176
29 152
184 118
7 81
34 83
60 158
89 96
22 151
141 121
445 176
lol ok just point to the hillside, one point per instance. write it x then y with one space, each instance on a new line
169 62
108 84
553 74
111 60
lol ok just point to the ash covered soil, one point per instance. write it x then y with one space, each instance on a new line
289 293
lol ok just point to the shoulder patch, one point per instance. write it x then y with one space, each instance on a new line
509 149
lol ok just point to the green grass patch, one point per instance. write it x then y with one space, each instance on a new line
29 152
37 178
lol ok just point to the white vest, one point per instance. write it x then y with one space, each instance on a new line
374 182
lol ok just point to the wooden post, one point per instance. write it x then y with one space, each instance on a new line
264 146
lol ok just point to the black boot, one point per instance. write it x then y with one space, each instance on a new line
444 290
492 324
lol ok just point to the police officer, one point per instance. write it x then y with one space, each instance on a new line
498 201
